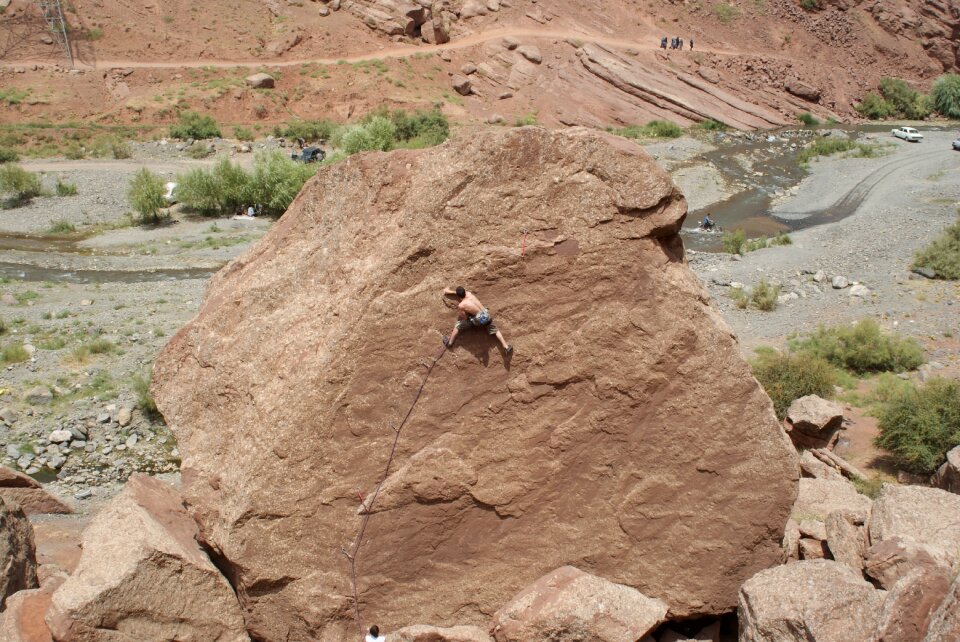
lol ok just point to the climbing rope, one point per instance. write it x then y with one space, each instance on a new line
354 550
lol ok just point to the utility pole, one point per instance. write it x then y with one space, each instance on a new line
53 15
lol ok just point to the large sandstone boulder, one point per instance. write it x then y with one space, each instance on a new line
625 435
928 516
817 600
29 494
144 577
18 556
568 605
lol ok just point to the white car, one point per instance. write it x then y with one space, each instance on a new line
908 134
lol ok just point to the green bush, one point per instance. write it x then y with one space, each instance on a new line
101 346
146 196
375 135
3 326
781 239
711 125
663 129
74 151
276 180
221 190
198 151
943 254
62 227
726 12
862 348
874 107
753 245
946 95
421 128
808 119
308 130
734 241
919 426
66 189
14 353
8 155
788 376
830 146
525 120
810 5
903 100
196 126
145 401
243 133
653 129
19 184
120 149
763 296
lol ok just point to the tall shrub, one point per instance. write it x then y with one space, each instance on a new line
946 95
146 195
920 425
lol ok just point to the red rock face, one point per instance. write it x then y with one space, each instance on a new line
625 436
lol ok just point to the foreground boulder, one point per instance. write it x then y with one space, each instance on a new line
29 494
569 605
910 604
626 431
142 576
927 516
18 555
817 600
23 619
944 624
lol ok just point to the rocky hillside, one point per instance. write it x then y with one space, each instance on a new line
753 63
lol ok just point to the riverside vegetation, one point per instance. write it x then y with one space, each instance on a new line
918 424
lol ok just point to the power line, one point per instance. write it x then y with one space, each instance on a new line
53 15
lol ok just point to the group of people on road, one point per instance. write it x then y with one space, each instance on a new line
675 43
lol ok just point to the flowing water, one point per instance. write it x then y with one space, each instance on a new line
765 168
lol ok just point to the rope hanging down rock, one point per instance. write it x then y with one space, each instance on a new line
351 553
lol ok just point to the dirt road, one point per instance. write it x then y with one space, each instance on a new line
646 42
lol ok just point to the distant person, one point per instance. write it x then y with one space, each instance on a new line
472 314
374 635
680 44
301 143
708 223
251 212
691 44
663 43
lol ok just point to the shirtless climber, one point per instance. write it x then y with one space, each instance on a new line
471 313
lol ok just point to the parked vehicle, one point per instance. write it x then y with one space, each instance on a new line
908 134
309 155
